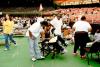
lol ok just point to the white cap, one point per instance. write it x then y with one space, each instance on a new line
68 27
40 19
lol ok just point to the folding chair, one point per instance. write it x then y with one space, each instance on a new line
95 48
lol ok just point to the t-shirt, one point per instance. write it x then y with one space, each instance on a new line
35 29
8 27
81 26
57 25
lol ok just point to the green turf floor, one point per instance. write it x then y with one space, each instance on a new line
19 57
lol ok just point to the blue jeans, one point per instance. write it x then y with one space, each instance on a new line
34 48
7 38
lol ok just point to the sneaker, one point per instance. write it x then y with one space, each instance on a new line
83 57
42 57
33 59
75 54
5 49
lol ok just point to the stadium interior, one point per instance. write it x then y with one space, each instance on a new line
24 11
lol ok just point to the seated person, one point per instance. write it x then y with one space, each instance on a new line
50 39
96 38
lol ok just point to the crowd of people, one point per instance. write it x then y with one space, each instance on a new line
39 27
92 13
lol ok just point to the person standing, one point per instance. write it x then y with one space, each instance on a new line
81 29
57 24
34 34
8 25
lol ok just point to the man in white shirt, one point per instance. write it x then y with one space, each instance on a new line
57 24
34 33
81 29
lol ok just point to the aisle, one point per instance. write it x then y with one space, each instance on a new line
19 57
